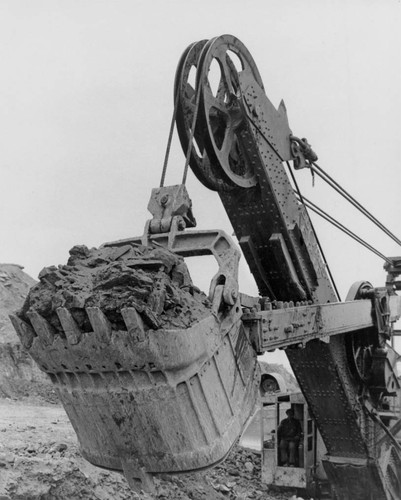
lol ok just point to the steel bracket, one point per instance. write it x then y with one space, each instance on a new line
171 209
296 325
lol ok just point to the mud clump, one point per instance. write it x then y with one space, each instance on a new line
153 280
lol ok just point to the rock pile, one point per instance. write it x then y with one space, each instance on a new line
14 287
153 280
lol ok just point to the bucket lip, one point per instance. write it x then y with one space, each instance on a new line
172 349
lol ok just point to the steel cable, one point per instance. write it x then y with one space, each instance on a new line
192 134
298 192
340 226
327 178
315 168
170 137
332 183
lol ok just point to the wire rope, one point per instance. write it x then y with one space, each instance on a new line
334 184
314 167
301 199
340 226
327 178
298 192
192 134
170 137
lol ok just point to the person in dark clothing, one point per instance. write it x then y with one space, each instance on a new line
289 434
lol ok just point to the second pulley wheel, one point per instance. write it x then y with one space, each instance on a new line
185 96
363 346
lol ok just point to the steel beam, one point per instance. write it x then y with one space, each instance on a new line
281 328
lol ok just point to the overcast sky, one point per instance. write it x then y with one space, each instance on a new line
86 101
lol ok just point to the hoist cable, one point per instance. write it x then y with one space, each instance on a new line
315 168
191 137
298 192
170 138
342 228
332 183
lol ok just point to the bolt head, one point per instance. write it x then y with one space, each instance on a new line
164 199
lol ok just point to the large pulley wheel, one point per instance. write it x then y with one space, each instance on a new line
185 96
225 62
361 345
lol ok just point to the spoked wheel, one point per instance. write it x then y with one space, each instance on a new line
224 63
361 345
185 93
361 352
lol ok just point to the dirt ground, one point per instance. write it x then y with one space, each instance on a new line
40 460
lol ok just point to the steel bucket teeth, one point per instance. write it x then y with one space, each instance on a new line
70 327
25 332
100 324
42 327
134 323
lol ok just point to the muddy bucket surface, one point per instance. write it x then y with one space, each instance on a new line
155 377
175 401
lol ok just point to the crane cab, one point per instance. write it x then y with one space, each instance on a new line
307 470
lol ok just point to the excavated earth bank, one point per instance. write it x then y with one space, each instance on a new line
153 280
20 378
